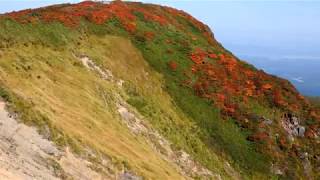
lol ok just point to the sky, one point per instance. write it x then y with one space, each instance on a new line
267 33
268 28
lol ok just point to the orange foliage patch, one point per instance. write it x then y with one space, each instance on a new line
219 77
200 26
259 136
221 97
212 56
149 35
130 27
198 56
229 62
283 143
173 65
267 86
277 98
310 133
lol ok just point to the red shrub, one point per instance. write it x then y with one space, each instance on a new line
130 27
173 65
198 56
277 98
310 133
283 144
212 56
259 136
151 16
149 35
99 16
221 97
267 87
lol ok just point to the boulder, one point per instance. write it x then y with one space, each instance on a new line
267 121
295 121
301 130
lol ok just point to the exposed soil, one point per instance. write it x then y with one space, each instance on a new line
137 126
25 154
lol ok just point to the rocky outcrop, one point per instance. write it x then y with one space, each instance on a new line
291 125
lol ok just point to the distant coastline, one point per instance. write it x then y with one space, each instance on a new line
303 72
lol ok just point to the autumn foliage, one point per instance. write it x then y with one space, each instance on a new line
99 13
194 61
229 76
260 136
173 65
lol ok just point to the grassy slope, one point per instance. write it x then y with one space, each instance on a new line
315 101
222 136
54 85
69 97
53 88
190 122
208 134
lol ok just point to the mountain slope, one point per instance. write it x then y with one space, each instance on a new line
150 88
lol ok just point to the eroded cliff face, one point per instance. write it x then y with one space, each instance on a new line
151 89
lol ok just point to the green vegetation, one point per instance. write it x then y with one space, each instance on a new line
56 93
155 59
204 135
315 101
32 117
223 136
52 35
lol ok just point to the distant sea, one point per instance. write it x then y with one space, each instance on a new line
303 72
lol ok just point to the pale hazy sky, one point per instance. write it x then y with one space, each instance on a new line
286 28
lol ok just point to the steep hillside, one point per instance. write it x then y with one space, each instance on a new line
315 101
149 90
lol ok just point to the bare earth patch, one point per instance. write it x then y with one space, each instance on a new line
25 154
183 161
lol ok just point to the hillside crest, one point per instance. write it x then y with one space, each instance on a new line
215 105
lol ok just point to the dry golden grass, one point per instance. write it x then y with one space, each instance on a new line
70 96
73 98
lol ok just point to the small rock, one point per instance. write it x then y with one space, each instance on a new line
276 170
120 83
295 132
246 120
129 176
268 121
301 130
304 155
295 121
290 138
